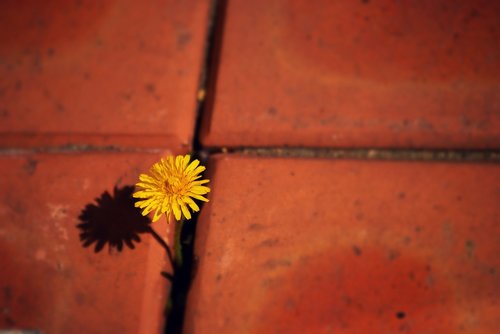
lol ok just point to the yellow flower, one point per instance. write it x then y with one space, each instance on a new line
170 187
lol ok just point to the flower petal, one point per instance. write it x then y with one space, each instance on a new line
157 215
176 210
201 198
148 179
200 190
145 194
170 163
185 161
178 161
191 203
147 210
199 183
146 185
197 170
192 165
159 172
185 210
164 205
144 203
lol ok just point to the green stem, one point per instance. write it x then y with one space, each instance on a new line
177 243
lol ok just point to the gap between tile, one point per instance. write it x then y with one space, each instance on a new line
365 153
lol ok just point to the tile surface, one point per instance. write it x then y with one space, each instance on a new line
51 282
338 246
358 74
121 73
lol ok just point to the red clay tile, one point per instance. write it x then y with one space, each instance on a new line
337 246
358 73
86 72
48 280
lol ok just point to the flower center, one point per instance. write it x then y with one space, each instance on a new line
175 185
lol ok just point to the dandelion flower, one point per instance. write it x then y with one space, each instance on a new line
170 187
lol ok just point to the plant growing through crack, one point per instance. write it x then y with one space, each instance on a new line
170 188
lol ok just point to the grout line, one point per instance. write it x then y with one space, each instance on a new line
203 153
72 149
365 153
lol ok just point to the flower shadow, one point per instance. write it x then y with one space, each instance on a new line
113 220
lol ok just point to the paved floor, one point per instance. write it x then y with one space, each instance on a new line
334 237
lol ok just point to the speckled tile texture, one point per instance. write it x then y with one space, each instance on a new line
340 246
371 73
121 73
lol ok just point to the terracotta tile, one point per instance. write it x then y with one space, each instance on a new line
338 246
123 73
357 74
50 281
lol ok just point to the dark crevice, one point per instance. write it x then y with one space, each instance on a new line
183 275
210 70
